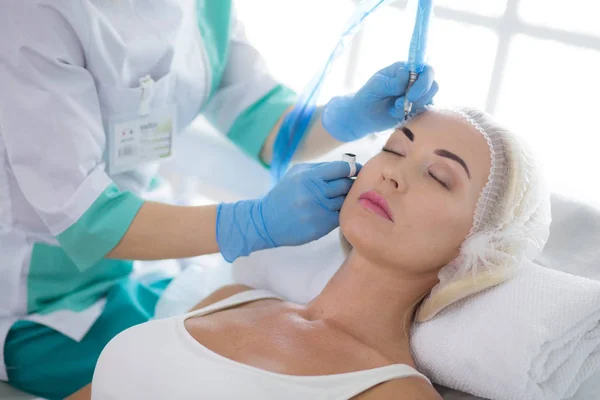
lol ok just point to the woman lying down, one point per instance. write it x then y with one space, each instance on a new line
442 177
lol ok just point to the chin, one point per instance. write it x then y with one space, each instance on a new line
367 232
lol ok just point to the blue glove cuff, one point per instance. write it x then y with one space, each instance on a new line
241 229
335 119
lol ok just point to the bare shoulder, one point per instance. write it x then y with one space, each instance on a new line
413 388
221 294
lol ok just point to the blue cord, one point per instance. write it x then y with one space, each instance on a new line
296 123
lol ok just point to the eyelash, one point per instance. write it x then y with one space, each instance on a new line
386 150
444 185
440 181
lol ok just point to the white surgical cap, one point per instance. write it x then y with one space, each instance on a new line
510 225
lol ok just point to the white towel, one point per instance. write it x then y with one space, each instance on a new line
534 337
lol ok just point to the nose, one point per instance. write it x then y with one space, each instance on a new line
393 179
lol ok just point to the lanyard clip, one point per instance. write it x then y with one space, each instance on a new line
147 86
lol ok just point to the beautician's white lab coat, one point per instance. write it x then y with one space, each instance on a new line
66 67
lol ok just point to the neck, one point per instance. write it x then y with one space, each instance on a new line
372 302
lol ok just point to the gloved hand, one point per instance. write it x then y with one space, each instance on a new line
304 206
379 104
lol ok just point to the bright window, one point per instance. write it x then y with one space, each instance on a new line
534 64
492 8
580 16
294 37
555 110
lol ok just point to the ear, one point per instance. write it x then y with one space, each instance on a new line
451 292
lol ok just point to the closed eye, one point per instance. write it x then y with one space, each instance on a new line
387 150
439 181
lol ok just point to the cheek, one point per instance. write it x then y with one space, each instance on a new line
362 229
348 213
446 214
437 226
366 180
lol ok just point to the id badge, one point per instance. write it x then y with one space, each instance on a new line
135 140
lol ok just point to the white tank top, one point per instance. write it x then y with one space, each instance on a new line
161 360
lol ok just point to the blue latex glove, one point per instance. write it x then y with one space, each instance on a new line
379 104
304 206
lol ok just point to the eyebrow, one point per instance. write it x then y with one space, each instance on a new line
441 153
408 134
454 157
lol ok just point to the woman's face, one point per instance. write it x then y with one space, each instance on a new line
413 204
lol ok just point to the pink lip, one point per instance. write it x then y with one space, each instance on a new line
376 203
